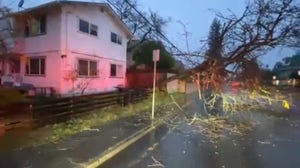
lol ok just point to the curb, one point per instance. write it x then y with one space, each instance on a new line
120 146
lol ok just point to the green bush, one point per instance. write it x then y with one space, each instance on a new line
9 96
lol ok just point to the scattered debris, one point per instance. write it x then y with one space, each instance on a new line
264 142
90 129
174 101
62 149
156 163
215 128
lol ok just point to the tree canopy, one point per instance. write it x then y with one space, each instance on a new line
292 61
143 25
214 40
143 55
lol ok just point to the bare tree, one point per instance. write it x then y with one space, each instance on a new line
263 25
144 25
79 85
6 34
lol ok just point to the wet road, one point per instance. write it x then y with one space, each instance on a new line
275 143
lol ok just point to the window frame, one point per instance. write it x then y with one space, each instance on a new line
89 73
92 28
96 30
42 27
118 38
81 27
28 66
118 70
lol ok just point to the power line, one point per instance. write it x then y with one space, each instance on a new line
148 22
11 3
159 32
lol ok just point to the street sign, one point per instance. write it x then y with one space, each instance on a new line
155 55
155 59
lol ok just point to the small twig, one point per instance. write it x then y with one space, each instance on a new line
174 101
156 163
193 120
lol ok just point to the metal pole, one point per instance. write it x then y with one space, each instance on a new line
153 95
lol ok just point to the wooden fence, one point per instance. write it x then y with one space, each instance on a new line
49 110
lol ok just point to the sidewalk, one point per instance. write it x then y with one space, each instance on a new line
80 148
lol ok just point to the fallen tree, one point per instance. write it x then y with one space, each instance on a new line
263 25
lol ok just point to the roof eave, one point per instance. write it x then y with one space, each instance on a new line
109 9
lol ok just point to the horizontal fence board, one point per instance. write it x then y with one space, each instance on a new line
54 105
67 107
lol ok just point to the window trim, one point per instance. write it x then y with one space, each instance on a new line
119 38
118 74
90 25
40 74
28 34
96 27
85 22
88 68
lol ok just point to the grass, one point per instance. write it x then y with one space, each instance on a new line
56 132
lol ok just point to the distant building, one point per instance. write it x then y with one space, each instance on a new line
285 69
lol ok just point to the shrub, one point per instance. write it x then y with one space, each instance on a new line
10 97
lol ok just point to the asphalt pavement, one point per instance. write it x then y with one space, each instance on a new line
274 143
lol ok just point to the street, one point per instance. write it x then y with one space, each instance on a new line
273 143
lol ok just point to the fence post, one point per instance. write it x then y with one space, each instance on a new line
71 105
125 98
31 112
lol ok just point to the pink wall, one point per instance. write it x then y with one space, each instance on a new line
64 38
103 82
78 45
47 45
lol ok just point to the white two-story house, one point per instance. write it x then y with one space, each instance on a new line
70 46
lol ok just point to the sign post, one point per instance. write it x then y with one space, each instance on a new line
155 59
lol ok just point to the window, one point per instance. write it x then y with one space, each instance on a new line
87 68
116 70
94 30
86 27
115 38
35 66
83 26
35 26
15 66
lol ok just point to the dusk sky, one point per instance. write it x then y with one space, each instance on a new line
196 14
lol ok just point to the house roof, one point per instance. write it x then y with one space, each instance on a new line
106 7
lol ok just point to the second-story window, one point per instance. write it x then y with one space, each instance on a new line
87 27
35 25
115 38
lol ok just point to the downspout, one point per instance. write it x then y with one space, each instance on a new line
66 33
64 48
67 48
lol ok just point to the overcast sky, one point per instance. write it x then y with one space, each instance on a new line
196 14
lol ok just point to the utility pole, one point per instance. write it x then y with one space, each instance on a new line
155 59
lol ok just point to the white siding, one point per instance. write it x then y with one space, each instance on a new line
64 38
77 44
